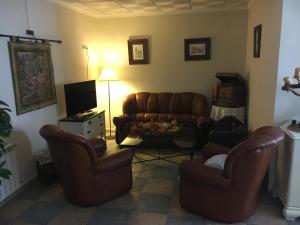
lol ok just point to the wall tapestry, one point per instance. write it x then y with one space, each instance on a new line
32 75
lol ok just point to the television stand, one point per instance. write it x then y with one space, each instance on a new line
90 124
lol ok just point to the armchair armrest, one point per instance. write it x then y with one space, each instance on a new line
203 174
212 149
98 144
113 161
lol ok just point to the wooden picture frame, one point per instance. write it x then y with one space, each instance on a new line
138 52
257 41
32 75
197 49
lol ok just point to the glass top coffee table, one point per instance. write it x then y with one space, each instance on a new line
182 142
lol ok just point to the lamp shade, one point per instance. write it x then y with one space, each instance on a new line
108 74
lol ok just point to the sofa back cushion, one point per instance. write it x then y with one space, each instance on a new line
165 103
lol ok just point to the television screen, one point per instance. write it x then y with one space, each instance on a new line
80 97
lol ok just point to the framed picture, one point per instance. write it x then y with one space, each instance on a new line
197 49
138 51
32 75
257 41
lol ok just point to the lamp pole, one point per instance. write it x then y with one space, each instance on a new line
108 75
108 87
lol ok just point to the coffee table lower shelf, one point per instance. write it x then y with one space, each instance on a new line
137 145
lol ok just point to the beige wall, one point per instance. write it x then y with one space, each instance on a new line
167 70
262 72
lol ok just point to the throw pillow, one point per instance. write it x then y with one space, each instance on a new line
216 161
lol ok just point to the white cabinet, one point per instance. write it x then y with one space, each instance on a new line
288 179
88 126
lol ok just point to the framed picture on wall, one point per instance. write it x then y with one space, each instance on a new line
138 51
32 75
257 41
197 49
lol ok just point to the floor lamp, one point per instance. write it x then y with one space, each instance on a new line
108 75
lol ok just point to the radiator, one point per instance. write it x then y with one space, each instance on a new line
9 186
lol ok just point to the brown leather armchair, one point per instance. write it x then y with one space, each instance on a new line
88 174
229 195
187 108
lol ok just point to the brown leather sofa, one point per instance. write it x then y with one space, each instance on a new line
229 195
88 174
187 108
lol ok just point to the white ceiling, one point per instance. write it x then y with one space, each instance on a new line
116 8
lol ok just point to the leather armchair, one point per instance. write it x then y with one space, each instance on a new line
187 108
88 174
229 195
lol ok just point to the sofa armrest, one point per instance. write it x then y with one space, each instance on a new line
212 149
203 120
99 144
200 173
119 121
113 161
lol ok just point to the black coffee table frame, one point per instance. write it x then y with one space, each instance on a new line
185 139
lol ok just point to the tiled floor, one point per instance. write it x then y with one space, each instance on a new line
153 200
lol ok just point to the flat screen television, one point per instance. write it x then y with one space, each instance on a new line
80 97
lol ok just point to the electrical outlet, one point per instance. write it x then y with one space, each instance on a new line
84 47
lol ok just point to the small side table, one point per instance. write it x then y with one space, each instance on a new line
45 168
218 112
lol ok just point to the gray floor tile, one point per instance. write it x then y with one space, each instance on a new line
171 220
165 172
40 213
154 203
127 201
139 184
73 215
20 223
34 191
160 186
146 218
13 209
266 214
109 217
52 195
